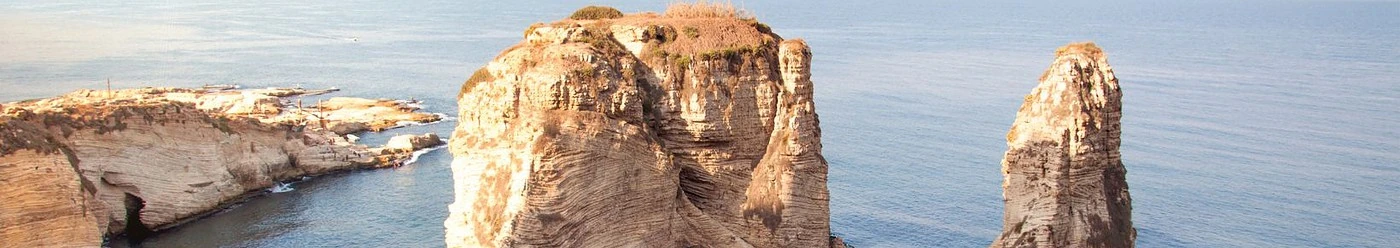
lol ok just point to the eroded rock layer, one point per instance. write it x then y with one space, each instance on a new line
642 131
1064 182
92 163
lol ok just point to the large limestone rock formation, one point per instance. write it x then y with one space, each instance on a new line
641 131
1064 180
46 203
93 163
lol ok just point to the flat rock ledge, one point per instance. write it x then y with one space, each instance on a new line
91 164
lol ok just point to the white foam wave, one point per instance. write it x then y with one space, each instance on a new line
281 187
441 117
414 157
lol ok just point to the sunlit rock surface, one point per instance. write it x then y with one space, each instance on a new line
642 131
94 163
1065 184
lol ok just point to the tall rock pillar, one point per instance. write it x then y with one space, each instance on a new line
1064 182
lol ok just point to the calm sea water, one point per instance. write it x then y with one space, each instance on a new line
1246 124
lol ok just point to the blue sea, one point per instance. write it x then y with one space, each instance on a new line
1245 124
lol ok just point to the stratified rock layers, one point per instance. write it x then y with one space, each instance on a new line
1064 182
173 159
87 164
52 210
566 140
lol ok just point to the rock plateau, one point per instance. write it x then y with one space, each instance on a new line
92 163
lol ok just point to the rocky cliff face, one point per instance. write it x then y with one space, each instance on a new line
46 203
1064 179
91 163
642 131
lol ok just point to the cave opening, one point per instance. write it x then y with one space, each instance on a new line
136 231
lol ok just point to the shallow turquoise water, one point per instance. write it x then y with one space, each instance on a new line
1246 124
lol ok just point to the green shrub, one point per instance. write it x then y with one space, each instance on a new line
656 53
680 61
691 32
728 52
596 13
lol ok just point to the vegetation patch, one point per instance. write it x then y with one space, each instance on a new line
599 36
726 53
585 73
681 62
705 9
532 28
691 32
700 35
759 26
17 135
1086 48
481 75
593 12
662 34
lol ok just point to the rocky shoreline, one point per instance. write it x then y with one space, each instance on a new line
93 164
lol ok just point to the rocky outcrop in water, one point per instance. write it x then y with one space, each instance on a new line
92 163
402 149
1065 183
641 131
347 115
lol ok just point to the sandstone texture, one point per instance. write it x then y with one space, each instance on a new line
52 209
92 163
1064 182
641 131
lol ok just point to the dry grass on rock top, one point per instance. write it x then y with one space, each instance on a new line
1087 48
705 9
694 28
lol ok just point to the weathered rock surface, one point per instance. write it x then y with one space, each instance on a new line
400 149
346 115
94 163
413 142
643 131
342 115
1065 183
51 210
